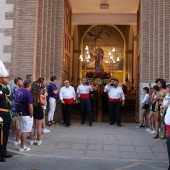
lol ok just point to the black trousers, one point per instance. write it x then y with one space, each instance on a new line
168 147
67 112
3 150
114 111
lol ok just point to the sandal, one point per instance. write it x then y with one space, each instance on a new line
155 136
163 136
52 122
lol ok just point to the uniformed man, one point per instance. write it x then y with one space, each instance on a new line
83 95
67 97
116 99
4 111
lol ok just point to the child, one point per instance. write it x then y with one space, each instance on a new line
145 106
155 90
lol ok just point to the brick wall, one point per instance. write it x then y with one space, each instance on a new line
155 40
50 38
37 38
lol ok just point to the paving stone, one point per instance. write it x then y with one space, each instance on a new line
111 154
76 153
124 142
64 145
128 155
80 140
95 154
95 141
159 148
146 156
95 147
60 152
79 146
143 149
111 147
126 148
162 156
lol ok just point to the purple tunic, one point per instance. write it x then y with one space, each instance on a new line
51 88
22 98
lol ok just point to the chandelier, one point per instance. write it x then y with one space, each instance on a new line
114 57
86 57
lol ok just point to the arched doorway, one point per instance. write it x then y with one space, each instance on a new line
106 37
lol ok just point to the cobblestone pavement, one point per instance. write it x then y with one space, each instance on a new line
125 144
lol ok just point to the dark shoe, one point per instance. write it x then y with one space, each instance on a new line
67 125
53 122
169 167
82 122
49 123
7 156
2 160
140 126
119 124
112 123
90 124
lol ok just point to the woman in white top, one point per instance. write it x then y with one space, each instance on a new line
145 106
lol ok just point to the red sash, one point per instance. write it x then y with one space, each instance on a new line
68 101
85 96
113 100
168 129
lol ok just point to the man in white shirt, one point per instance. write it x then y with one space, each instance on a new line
116 99
83 93
67 97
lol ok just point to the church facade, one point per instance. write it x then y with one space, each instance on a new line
39 37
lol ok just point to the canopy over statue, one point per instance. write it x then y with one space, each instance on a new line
99 54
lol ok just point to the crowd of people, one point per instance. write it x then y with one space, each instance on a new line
26 104
156 103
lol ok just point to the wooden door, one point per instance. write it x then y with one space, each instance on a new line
67 41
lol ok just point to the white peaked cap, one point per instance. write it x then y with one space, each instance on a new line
3 71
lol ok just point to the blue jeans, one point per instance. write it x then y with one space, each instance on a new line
168 147
85 105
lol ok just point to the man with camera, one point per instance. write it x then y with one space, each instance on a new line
83 96
116 99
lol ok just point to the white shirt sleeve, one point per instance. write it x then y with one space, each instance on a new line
74 94
61 94
146 99
91 89
78 90
122 95
106 88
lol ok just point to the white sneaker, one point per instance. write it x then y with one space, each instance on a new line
17 143
31 142
153 132
45 131
147 130
25 149
150 131
39 142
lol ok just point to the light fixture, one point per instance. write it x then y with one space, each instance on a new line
113 57
86 57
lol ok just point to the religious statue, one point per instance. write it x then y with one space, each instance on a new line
99 54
